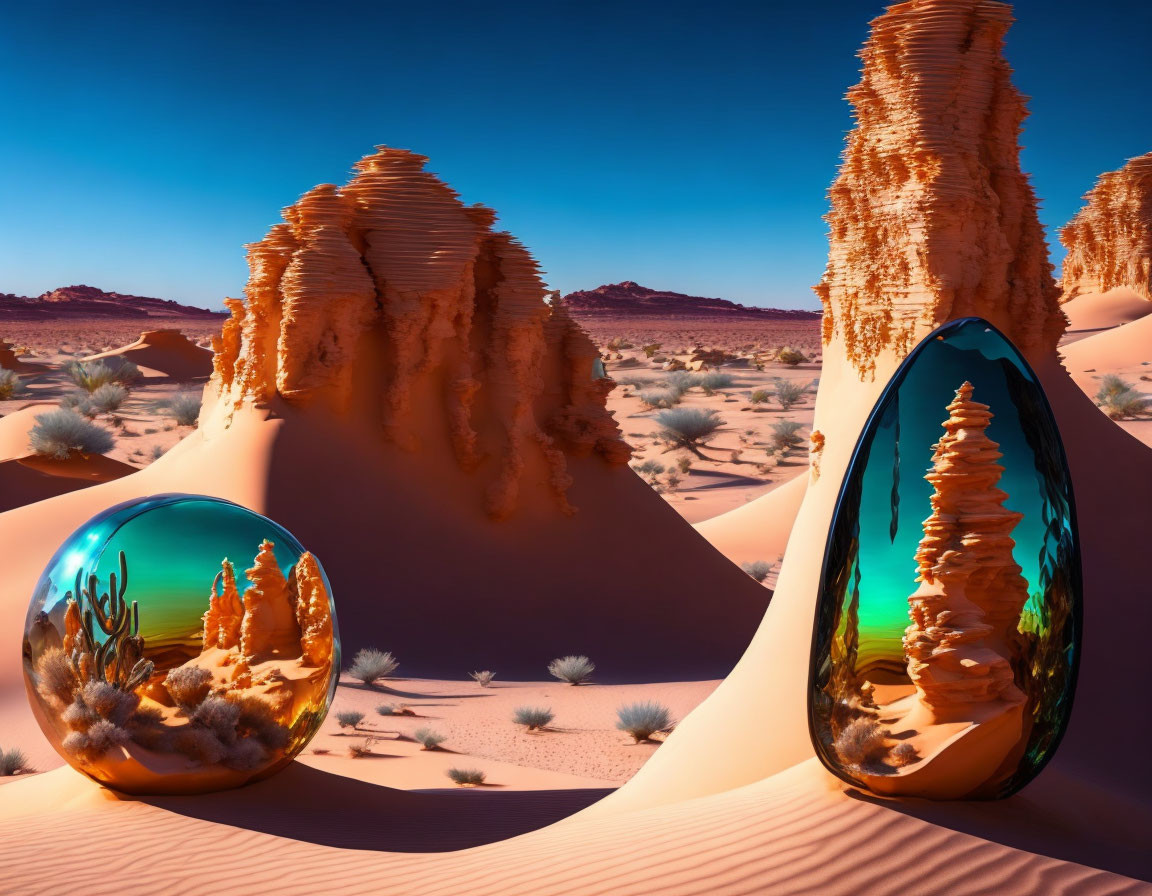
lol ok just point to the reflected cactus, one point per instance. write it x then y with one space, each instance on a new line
119 660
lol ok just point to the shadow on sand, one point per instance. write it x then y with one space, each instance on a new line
303 803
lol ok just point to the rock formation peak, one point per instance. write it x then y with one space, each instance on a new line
931 217
966 611
379 297
1109 241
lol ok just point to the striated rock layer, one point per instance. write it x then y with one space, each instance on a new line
931 217
966 611
1109 242
370 295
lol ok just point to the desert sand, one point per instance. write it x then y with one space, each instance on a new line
734 801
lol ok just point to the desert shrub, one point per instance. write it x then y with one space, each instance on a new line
427 738
12 761
903 754
643 719
89 375
861 741
188 685
689 427
349 718
219 716
532 717
1110 386
184 407
80 402
680 381
786 434
710 382
672 481
157 452
757 569
370 665
635 382
660 398
1119 399
483 678
649 467
394 709
789 392
93 742
361 748
55 680
759 396
790 356
683 463
572 669
108 397
10 385
466 777
63 432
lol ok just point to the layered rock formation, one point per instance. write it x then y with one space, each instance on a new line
313 612
931 217
225 610
1109 242
628 298
269 624
966 611
389 290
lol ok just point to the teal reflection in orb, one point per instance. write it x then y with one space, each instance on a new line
180 643
948 619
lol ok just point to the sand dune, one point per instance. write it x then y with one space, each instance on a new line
1126 349
25 477
166 353
759 530
791 834
1103 311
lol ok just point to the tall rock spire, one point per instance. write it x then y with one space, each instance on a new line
1109 242
931 217
225 610
965 613
313 612
269 625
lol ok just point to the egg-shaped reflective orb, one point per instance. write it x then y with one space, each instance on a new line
947 630
180 644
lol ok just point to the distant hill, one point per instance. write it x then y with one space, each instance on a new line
629 298
88 301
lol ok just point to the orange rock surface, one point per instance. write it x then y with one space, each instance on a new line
225 611
269 625
932 218
1109 242
313 612
389 291
968 605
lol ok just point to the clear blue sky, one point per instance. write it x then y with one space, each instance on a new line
683 145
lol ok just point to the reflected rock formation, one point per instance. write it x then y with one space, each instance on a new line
150 671
944 652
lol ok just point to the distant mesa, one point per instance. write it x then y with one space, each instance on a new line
1109 241
630 298
88 301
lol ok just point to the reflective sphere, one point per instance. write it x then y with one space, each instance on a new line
948 618
180 643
